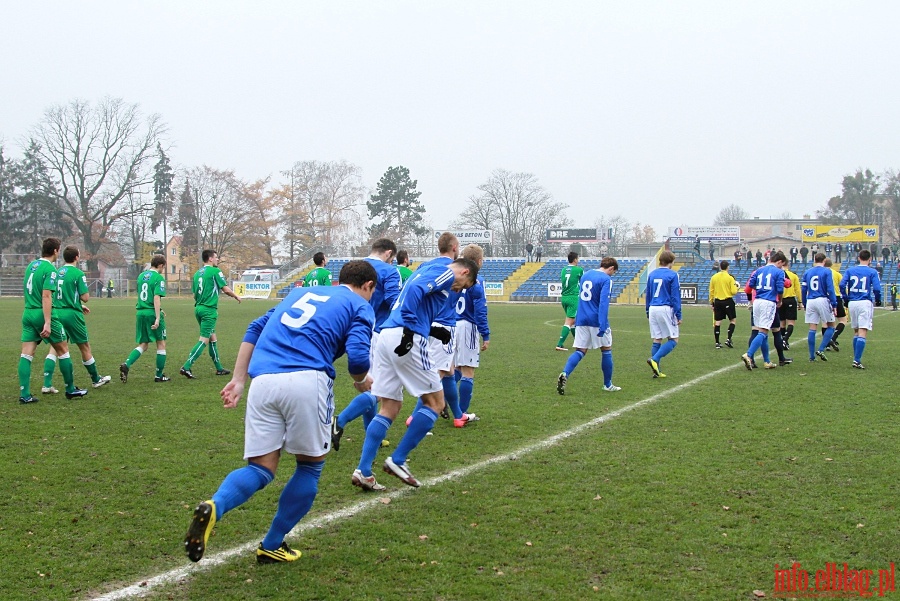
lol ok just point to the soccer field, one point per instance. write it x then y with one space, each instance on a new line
689 487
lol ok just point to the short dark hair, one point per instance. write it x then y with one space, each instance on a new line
356 273
319 258
384 244
70 254
865 255
819 258
777 256
402 256
157 260
666 257
469 264
208 254
609 262
723 265
572 256
50 246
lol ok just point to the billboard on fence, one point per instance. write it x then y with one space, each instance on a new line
252 289
688 293
568 234
725 233
493 288
468 236
554 289
839 233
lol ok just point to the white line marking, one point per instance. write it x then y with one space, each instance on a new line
208 562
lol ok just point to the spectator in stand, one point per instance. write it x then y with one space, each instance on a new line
738 255
538 251
837 252
759 258
814 248
529 252
885 253
793 252
803 253
712 251
828 249
767 254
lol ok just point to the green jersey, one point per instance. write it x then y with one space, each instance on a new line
71 283
207 282
320 276
570 276
40 275
149 284
405 272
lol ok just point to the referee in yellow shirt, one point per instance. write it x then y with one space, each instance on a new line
790 300
722 289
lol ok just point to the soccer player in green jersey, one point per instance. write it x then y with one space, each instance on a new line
150 324
39 322
72 294
318 276
570 276
403 264
208 281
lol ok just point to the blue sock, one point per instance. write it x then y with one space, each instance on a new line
451 396
664 350
757 343
573 361
240 485
826 338
295 501
375 433
654 348
859 348
422 423
606 365
457 374
811 341
359 406
418 406
466 388
764 347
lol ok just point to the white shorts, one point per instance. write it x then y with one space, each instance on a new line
663 323
764 312
442 354
586 337
468 344
292 411
413 372
818 310
861 314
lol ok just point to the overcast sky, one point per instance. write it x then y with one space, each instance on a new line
662 112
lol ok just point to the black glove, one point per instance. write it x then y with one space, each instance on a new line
406 342
442 334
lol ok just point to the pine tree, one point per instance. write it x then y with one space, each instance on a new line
395 209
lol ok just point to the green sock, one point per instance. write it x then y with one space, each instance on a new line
25 375
91 368
160 363
133 356
49 368
572 332
65 368
563 335
214 353
195 352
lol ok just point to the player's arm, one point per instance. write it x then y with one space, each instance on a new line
157 310
358 343
233 391
876 289
47 308
227 290
392 284
603 308
844 286
675 292
481 316
712 293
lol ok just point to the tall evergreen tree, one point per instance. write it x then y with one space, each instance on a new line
395 209
35 212
162 195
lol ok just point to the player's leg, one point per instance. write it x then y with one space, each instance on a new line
25 358
466 387
207 326
214 355
49 368
606 361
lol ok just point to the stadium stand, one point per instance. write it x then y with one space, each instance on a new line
535 288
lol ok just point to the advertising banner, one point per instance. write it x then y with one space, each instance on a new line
725 233
493 288
688 293
468 236
568 234
839 233
554 289
252 289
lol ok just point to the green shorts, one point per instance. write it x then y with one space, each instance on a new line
570 305
143 329
207 318
74 324
33 323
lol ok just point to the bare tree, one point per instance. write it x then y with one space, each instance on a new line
324 197
619 230
732 212
98 154
222 213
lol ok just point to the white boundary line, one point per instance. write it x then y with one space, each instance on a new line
172 576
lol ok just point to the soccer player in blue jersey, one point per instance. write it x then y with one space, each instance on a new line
471 324
403 361
861 285
592 324
289 352
383 298
820 301
663 305
768 286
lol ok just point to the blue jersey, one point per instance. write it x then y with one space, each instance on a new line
861 282
447 315
593 301
663 290
424 295
311 328
471 306
768 281
818 282
386 290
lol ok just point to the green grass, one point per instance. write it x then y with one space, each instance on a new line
696 495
